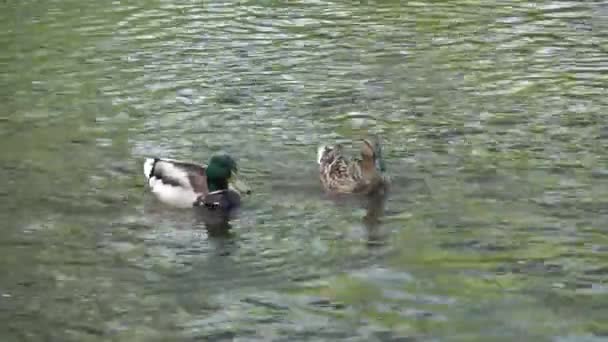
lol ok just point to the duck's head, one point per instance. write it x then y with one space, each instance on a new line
368 150
222 172
373 151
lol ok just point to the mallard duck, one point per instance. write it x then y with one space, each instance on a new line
342 175
185 185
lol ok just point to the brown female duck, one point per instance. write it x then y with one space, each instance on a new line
340 174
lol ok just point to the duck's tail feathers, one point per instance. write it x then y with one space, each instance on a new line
149 164
320 153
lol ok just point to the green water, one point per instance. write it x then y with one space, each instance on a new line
495 128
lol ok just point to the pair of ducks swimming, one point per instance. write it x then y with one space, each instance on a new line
216 188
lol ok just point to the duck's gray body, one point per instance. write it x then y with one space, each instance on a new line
175 183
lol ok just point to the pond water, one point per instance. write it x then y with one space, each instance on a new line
493 117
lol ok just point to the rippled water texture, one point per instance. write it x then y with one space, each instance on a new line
495 126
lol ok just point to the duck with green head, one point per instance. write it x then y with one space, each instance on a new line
185 185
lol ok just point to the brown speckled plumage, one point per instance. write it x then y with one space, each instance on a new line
340 174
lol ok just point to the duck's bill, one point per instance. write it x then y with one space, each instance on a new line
239 185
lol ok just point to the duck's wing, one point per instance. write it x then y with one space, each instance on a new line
341 175
327 154
341 168
176 173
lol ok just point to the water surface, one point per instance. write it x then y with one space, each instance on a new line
494 121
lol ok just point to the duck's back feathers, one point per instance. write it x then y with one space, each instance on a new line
149 167
342 175
176 173
175 182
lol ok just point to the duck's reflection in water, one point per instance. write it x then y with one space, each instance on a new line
375 203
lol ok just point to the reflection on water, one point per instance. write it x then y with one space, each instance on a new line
492 119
